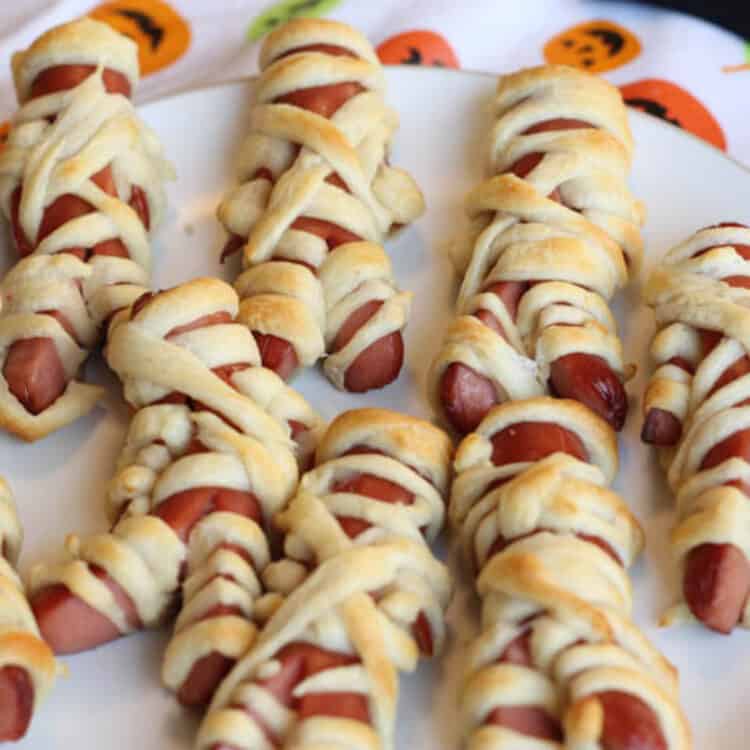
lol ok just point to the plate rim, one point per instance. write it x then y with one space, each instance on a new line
677 131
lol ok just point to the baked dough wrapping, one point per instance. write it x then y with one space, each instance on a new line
21 646
554 232
315 199
81 185
356 598
211 456
697 415
558 663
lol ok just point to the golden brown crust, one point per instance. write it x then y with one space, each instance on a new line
222 441
359 596
690 296
555 221
291 168
56 147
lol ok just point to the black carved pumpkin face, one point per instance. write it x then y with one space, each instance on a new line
595 46
417 48
162 35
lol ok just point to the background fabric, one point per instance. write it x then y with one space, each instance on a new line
677 67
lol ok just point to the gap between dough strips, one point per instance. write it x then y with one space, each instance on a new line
554 233
81 187
697 414
558 663
357 597
27 665
316 197
211 455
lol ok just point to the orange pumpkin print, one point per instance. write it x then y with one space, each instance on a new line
675 105
418 48
595 46
162 34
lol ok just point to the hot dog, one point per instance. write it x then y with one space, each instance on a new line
27 665
696 404
43 393
17 701
528 542
375 469
545 326
361 325
224 431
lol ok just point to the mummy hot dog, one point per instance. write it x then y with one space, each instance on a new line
209 458
558 662
81 186
27 665
359 594
696 411
554 233
316 196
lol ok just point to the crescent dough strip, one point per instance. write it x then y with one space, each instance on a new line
696 413
357 597
558 662
554 233
316 195
21 646
81 184
211 455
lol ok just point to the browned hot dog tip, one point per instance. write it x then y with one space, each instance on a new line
68 624
277 354
661 427
716 585
589 380
35 373
205 676
629 724
377 365
466 397
16 702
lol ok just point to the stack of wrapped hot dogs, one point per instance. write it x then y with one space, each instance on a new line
316 197
211 455
81 186
555 231
304 652
558 662
697 414
358 595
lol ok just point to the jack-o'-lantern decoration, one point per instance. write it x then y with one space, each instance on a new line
594 46
162 34
673 104
418 48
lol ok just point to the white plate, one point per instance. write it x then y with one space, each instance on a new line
113 697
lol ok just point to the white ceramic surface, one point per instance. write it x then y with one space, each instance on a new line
113 698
